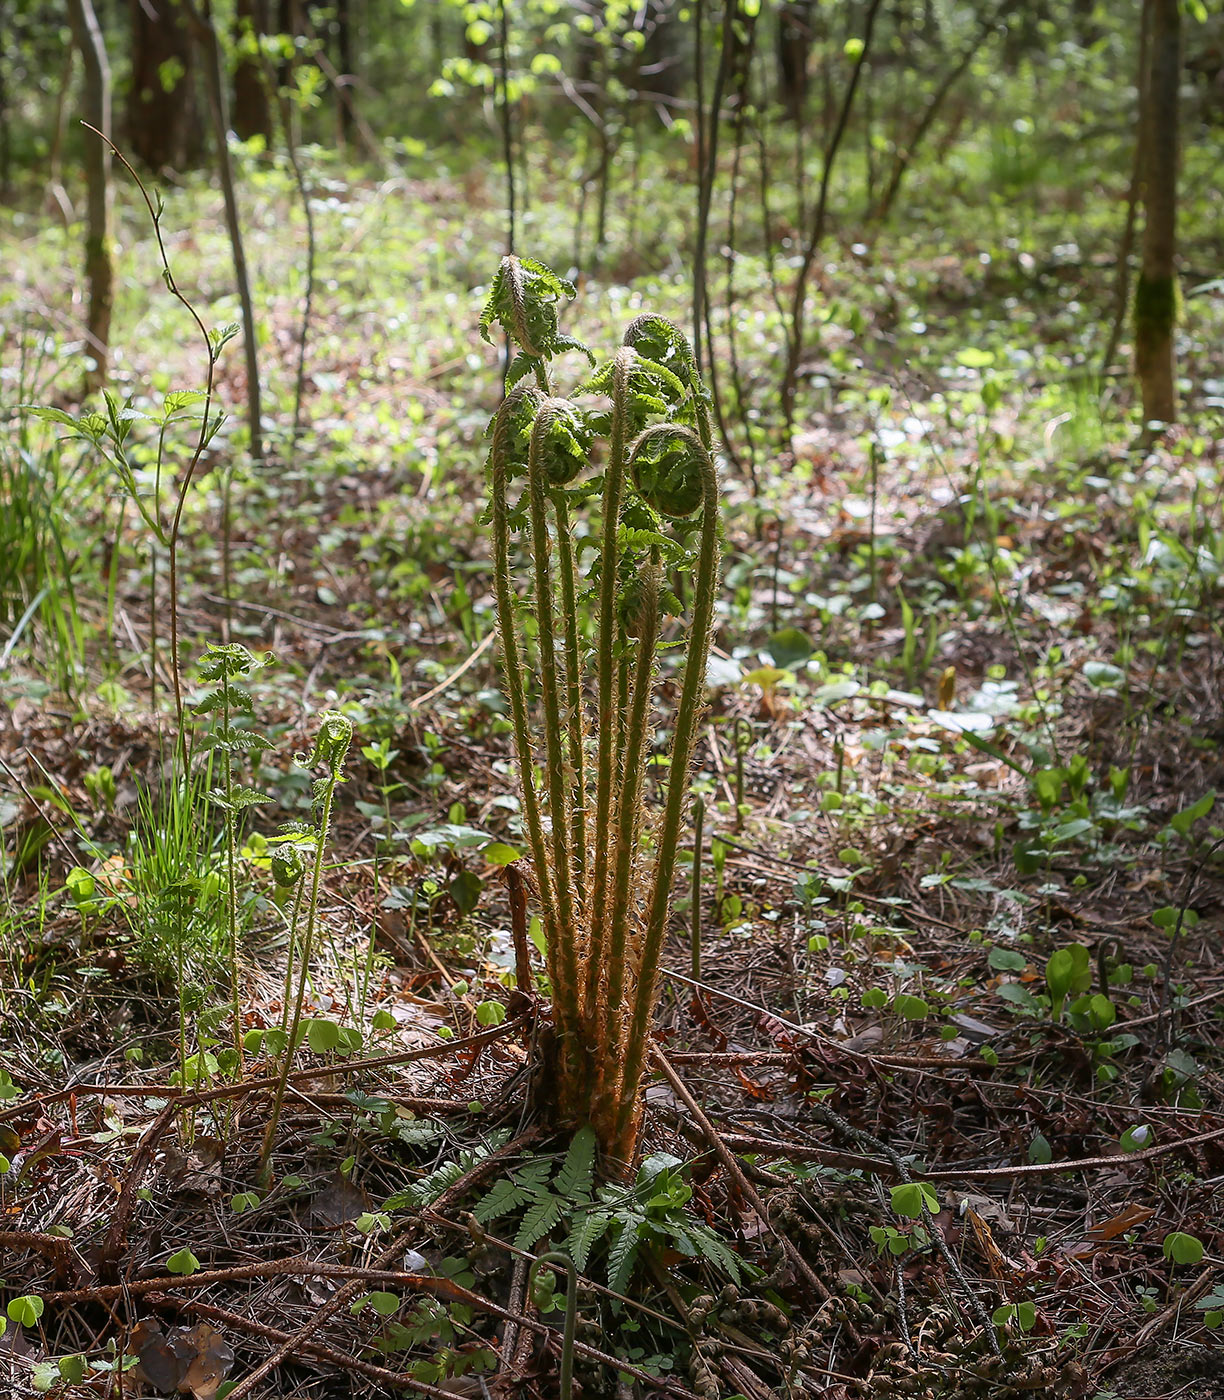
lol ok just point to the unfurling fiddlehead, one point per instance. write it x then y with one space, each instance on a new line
604 907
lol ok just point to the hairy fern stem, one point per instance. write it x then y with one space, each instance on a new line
604 897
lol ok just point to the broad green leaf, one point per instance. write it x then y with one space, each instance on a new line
1178 1248
26 1310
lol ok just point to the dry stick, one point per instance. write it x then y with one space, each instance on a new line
1191 1295
828 1156
53 1247
459 670
316 1349
886 1060
342 1296
804 1152
358 1278
190 1098
855 1134
143 1155
736 1171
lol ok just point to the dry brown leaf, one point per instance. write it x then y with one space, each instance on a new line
1126 1219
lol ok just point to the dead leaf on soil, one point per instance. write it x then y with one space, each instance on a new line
1128 1219
338 1203
185 1360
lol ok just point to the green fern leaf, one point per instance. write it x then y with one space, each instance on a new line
489 311
520 367
506 1195
715 1251
231 740
558 286
577 1174
534 1174
623 1254
237 697
567 342
584 1236
542 1216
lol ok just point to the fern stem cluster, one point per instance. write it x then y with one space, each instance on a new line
604 896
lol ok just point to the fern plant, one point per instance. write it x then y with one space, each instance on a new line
225 667
604 904
650 1213
331 748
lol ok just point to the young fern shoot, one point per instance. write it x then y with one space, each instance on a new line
330 751
603 865
225 667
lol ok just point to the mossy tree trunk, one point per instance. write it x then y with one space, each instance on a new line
99 246
1156 290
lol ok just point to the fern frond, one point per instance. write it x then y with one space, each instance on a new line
623 1254
585 1235
506 1195
577 1174
715 1251
542 1216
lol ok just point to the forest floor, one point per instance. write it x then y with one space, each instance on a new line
963 889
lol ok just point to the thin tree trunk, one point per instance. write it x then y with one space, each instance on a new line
905 155
299 178
708 168
1126 245
793 46
1156 290
163 128
252 110
99 253
796 328
210 50
344 55
57 194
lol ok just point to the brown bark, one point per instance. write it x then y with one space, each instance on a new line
345 63
199 14
793 49
99 248
252 115
1156 290
163 124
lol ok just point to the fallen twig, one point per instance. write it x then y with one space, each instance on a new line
736 1171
